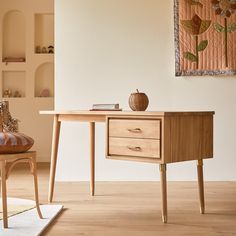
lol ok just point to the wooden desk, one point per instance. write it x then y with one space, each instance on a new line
154 137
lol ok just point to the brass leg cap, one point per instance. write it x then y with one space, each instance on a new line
164 219
202 210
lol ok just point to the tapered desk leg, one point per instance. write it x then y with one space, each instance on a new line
4 194
92 157
55 142
201 185
163 192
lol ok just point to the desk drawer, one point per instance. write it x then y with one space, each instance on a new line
134 147
134 128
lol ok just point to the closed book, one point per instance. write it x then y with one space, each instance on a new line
106 109
114 106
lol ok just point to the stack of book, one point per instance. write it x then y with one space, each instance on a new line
106 107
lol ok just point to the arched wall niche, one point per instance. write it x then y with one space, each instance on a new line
44 80
14 35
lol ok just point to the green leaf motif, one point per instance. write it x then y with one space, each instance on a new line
202 45
219 28
189 56
231 28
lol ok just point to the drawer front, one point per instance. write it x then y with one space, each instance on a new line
134 147
134 128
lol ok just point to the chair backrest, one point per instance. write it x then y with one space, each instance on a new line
7 123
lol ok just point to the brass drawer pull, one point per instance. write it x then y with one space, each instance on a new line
136 149
136 130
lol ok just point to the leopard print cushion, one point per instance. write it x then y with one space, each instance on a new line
14 142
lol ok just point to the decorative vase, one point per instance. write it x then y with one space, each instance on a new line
138 101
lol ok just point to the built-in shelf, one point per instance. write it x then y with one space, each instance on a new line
13 66
40 99
13 42
44 32
13 82
44 80
44 54
42 58
12 99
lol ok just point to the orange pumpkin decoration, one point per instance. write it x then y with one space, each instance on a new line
138 101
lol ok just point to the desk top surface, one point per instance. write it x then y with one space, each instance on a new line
126 113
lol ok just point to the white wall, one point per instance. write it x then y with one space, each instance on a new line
108 48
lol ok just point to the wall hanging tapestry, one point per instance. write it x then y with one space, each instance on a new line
205 37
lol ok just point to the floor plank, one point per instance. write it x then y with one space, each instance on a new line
133 208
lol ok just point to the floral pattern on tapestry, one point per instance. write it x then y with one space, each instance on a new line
205 42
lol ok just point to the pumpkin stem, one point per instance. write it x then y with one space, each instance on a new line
137 90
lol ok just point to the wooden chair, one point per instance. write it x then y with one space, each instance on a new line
7 163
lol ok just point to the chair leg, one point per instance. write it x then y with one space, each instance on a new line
4 193
34 172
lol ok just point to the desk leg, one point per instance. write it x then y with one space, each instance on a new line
163 192
55 142
201 185
92 157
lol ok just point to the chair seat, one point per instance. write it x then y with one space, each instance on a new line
11 156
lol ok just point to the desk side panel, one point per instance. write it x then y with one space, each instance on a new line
187 138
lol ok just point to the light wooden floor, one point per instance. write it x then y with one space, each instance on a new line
133 208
